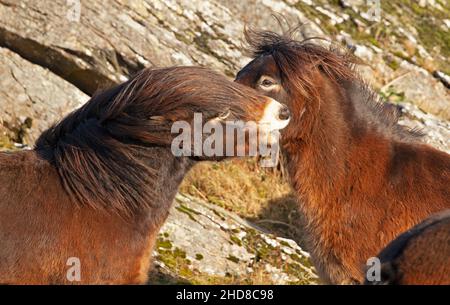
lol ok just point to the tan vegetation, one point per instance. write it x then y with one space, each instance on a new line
258 194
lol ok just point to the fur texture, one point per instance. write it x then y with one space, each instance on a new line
99 184
420 256
361 179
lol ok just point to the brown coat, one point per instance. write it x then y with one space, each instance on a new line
361 179
420 256
98 185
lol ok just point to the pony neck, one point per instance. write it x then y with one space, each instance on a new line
326 165
105 173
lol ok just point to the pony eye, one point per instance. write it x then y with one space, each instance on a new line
267 83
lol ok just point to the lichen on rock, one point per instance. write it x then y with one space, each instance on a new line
202 243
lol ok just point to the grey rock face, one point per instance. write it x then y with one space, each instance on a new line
98 50
31 99
426 92
200 240
436 132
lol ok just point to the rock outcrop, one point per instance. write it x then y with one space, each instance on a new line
31 99
203 243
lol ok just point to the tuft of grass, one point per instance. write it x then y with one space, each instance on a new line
391 95
233 258
189 212
236 240
163 244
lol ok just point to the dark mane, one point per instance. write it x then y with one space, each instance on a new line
299 60
101 151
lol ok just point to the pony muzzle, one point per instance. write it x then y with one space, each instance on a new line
276 116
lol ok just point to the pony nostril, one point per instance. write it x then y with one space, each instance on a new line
284 113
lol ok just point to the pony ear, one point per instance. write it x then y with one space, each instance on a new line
223 116
220 117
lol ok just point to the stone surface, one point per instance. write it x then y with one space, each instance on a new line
105 44
201 241
425 92
98 50
31 99
436 131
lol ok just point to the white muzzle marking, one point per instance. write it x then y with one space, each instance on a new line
271 118
270 123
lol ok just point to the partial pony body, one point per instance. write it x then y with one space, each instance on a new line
361 179
420 256
99 185
42 227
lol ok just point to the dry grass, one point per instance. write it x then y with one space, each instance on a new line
258 194
259 276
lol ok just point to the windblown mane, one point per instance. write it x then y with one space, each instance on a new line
298 60
101 151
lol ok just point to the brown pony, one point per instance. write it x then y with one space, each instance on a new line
360 178
420 256
98 185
